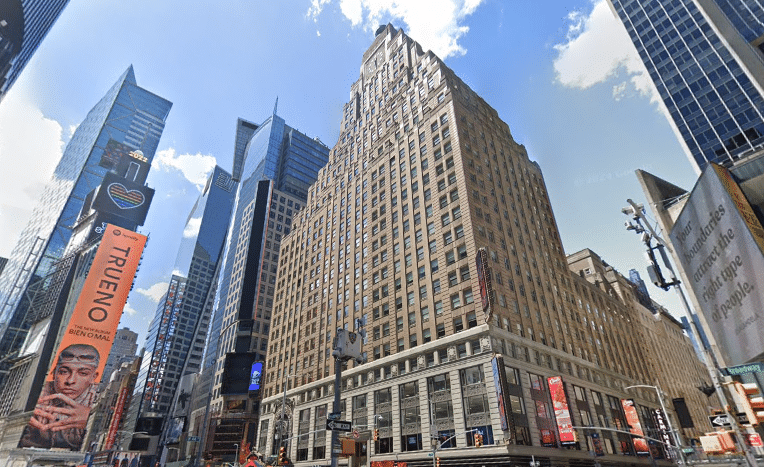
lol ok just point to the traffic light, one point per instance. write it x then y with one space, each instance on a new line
478 438
376 434
745 399
282 456
437 462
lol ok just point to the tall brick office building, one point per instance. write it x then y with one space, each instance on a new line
423 176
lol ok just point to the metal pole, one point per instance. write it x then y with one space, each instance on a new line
712 365
674 434
336 407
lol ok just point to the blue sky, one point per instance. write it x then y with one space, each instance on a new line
562 74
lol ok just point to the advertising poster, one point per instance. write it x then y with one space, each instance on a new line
69 391
254 376
497 365
632 419
123 198
720 243
484 278
119 410
561 411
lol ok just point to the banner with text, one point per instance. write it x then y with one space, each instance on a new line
561 410
62 410
719 242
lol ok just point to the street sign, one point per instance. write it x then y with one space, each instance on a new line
337 425
743 369
429 454
719 420
334 416
193 438
724 421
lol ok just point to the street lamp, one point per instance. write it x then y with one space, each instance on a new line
674 434
282 424
236 455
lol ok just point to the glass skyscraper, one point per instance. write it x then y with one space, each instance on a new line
278 164
128 117
176 337
707 62
23 25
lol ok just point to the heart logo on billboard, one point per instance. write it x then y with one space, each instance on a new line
124 198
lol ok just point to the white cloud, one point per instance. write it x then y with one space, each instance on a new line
155 292
434 23
194 167
598 49
129 310
192 227
33 142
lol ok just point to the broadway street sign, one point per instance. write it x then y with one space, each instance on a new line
337 425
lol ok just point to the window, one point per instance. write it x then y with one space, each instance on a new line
456 302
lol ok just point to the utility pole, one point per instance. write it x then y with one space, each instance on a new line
347 346
642 226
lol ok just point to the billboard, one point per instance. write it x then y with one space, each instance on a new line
116 419
123 198
254 376
500 383
561 411
484 277
69 391
719 243
632 419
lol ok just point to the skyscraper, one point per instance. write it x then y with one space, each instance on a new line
176 337
128 119
434 228
279 165
23 25
706 59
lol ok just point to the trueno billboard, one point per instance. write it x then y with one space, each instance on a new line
719 242
69 391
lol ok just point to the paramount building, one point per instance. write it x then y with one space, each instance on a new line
432 226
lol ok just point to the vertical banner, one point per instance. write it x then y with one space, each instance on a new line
484 279
632 419
69 391
719 242
254 376
499 382
561 411
116 418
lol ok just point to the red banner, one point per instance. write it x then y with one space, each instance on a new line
116 419
632 419
70 389
561 411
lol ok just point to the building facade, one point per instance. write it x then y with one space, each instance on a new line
278 166
424 180
706 60
123 350
128 119
23 26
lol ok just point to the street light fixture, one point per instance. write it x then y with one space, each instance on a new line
282 423
674 434
236 455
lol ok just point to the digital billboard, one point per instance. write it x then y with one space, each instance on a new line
720 243
123 198
70 389
632 419
561 410
254 376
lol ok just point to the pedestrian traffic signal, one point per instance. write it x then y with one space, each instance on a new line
282 456
747 400
376 435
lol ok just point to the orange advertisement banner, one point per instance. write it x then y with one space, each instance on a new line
69 391
632 419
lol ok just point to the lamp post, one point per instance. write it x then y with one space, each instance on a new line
674 434
282 423
236 455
